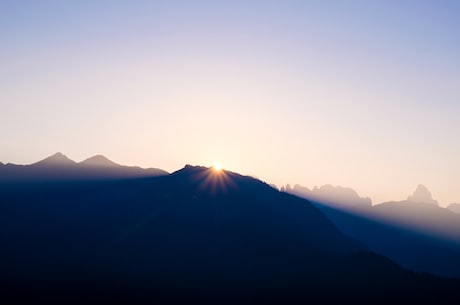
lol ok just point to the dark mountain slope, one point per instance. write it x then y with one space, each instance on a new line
426 218
193 236
417 232
412 248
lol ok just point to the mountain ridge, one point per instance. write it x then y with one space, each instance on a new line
57 159
59 166
334 195
98 161
214 237
417 233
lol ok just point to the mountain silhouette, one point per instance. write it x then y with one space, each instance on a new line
194 236
99 161
60 167
58 159
416 233
423 217
332 195
422 195
422 213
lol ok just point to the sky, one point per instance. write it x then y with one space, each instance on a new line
362 94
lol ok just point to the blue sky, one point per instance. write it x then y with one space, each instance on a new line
354 93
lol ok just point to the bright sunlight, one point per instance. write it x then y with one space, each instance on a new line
217 167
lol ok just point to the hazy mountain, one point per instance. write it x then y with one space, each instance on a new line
412 248
416 233
422 213
419 212
424 217
333 195
56 160
99 161
422 195
454 207
60 167
194 236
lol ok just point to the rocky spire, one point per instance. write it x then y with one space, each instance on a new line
422 195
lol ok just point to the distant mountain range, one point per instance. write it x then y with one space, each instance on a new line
416 232
59 166
194 236
332 195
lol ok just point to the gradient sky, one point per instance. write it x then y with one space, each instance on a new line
364 94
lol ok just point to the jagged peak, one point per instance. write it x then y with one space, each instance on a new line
422 195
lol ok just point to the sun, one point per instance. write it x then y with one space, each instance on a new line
217 167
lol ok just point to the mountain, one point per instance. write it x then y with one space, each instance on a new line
422 195
416 233
194 236
426 218
100 166
409 247
99 161
420 212
454 207
332 195
60 167
56 160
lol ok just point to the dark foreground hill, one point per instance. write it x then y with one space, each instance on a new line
194 236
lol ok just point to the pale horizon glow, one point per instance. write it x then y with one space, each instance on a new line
352 93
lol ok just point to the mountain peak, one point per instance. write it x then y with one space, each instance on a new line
422 195
58 159
194 167
99 161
